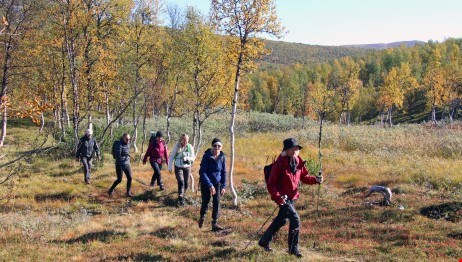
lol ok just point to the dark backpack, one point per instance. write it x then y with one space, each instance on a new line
267 170
114 149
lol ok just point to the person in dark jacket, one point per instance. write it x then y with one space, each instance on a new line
86 148
286 173
158 154
212 174
122 158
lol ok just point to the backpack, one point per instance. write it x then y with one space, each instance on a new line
114 148
267 170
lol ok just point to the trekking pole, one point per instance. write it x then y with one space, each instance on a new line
320 163
258 231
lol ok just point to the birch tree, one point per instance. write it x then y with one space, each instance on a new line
244 19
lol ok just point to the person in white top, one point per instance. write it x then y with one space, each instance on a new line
181 158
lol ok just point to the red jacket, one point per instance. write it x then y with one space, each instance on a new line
283 182
156 152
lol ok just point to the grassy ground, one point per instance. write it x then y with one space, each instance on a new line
47 213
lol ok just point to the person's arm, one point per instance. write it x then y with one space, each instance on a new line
79 148
192 156
171 159
202 172
165 152
148 153
223 173
96 148
306 178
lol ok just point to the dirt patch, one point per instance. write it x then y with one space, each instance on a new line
354 191
448 211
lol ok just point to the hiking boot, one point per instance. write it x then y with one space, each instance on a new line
265 246
201 222
161 187
110 192
216 228
296 253
129 194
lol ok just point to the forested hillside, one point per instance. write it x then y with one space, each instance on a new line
401 84
284 53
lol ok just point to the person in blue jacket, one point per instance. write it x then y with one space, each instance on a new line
212 174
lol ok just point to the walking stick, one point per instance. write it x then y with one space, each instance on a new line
258 231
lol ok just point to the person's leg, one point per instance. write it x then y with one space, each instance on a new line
180 179
279 221
216 208
294 230
86 169
128 174
205 195
118 180
160 183
186 174
156 176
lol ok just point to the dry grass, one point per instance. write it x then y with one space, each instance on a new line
52 215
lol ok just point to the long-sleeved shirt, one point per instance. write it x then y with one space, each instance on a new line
87 146
180 154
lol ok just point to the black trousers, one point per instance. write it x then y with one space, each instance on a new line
86 161
206 195
128 173
156 176
182 177
286 212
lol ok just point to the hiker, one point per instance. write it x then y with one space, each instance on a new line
86 148
286 173
158 154
121 153
212 177
182 157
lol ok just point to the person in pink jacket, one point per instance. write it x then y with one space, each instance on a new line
158 153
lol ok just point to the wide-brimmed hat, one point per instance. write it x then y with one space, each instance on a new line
289 143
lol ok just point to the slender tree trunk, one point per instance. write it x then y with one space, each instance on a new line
434 122
4 121
145 113
4 88
231 127
389 117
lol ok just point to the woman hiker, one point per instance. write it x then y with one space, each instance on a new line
181 158
212 174
158 154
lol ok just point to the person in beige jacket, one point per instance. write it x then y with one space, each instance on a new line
181 159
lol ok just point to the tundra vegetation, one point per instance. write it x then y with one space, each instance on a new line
388 117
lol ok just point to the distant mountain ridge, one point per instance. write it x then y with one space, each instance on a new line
381 46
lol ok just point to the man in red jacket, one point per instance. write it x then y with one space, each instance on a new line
288 170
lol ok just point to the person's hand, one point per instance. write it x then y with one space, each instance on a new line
222 192
212 190
283 200
99 157
319 179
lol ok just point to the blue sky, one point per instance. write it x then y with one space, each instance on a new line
342 22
